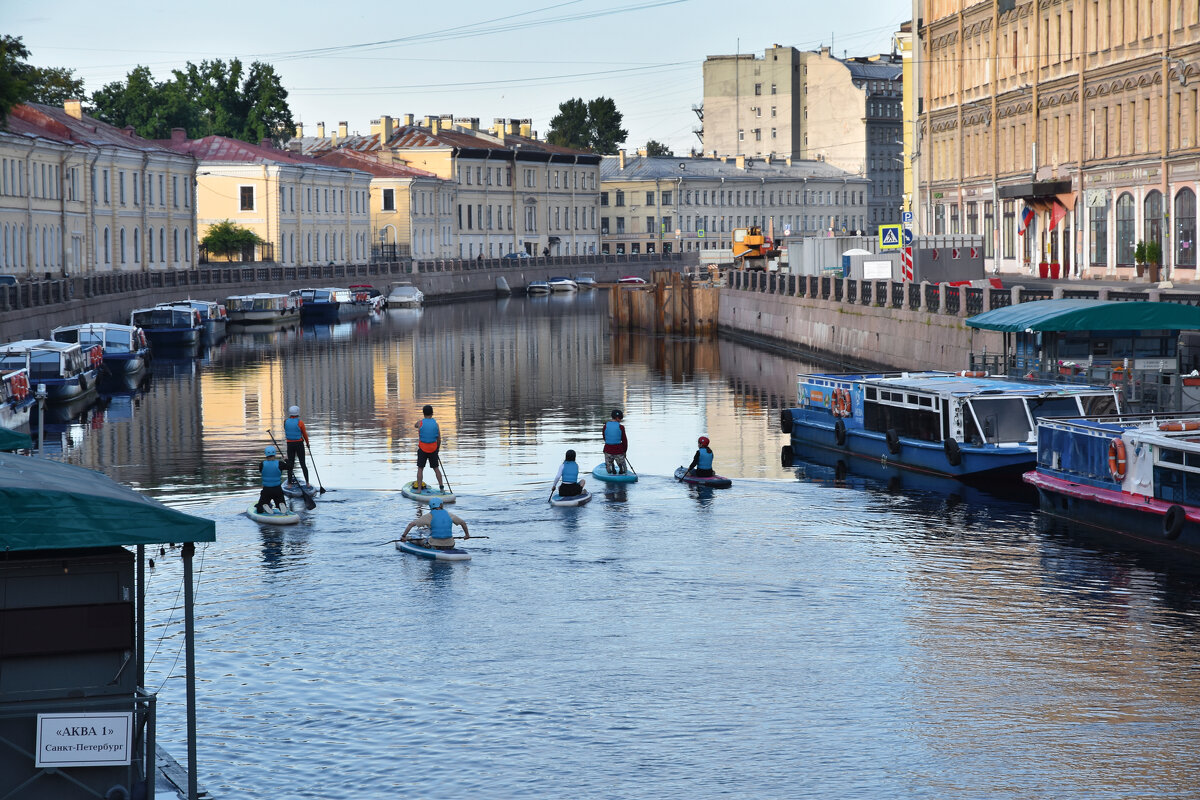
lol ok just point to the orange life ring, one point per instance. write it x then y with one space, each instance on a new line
972 374
1180 425
1116 459
841 402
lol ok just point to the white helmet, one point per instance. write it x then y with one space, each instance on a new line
294 411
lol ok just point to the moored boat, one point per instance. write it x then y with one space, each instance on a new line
538 287
586 280
171 326
560 283
332 304
212 314
964 425
16 398
1136 476
405 295
368 294
66 369
264 308
125 349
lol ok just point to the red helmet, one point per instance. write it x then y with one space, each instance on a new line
702 441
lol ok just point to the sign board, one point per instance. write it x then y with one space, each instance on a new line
700 233
84 740
889 237
1155 364
908 237
877 270
906 217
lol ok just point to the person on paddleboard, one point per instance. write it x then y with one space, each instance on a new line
272 482
429 442
567 480
702 462
297 439
440 523
615 444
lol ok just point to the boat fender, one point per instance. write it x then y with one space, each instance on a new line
972 374
786 456
953 453
1116 459
893 441
839 433
1188 425
82 382
785 420
1173 522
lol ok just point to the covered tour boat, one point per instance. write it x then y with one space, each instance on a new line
125 349
264 308
170 326
66 369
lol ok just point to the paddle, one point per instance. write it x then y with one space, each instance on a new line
442 462
309 503
551 497
316 471
393 541
629 464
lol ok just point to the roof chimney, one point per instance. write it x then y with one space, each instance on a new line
178 134
299 130
408 119
74 108
740 162
788 161
385 130
130 131
526 128
267 143
343 129
320 130
435 125
621 158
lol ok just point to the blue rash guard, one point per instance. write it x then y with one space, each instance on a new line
612 432
442 527
271 474
429 431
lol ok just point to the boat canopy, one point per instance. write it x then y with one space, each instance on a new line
13 440
1088 315
53 506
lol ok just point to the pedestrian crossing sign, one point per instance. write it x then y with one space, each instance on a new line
889 237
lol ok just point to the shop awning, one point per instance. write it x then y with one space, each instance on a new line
1089 315
53 506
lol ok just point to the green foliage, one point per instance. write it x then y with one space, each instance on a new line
206 99
1153 252
657 148
594 125
53 85
227 239
14 85
1139 253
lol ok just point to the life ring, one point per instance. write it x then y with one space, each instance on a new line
1173 522
839 433
97 355
20 386
953 452
785 420
972 374
847 407
893 441
1116 459
1180 425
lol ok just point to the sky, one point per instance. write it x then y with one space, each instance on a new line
519 59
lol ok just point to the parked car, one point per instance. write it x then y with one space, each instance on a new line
8 280
517 254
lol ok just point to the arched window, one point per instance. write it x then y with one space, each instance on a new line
150 243
308 247
1152 209
4 247
162 245
1125 230
37 262
187 246
107 246
137 246
1185 228
122 245
175 245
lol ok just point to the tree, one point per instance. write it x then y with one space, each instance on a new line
657 148
13 75
594 125
227 239
570 127
53 85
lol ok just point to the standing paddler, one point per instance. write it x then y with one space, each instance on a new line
297 439
429 442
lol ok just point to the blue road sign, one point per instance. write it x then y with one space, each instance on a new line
889 237
906 217
908 237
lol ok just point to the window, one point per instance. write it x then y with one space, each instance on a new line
120 190
1152 207
604 198
1185 228
620 225
389 199
620 198
1098 235
105 186
666 198
758 88
649 198
246 198
604 226
649 224
1125 230
174 191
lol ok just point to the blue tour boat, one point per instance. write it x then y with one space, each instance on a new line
67 370
172 326
963 424
1134 475
332 305
212 315
124 347
16 398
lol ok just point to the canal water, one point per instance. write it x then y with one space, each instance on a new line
824 630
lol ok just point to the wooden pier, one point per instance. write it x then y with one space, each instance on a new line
670 303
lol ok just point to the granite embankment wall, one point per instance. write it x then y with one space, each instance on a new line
32 310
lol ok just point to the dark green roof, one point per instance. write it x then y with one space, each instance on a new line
11 440
1089 315
53 506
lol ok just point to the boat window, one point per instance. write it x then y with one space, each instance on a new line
43 365
1171 456
1192 460
118 342
909 423
871 393
925 401
89 338
1003 419
12 361
1053 407
1100 405
67 336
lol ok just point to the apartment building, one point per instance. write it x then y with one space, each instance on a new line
663 204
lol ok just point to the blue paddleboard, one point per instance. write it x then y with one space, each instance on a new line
426 494
602 474
416 548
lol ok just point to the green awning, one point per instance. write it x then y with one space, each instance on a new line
48 505
11 440
1089 315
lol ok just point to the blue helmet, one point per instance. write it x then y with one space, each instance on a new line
435 503
269 450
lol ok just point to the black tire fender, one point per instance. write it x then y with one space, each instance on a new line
839 433
953 453
785 420
1173 522
893 441
786 456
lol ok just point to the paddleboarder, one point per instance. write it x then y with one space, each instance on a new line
297 439
567 480
429 442
272 482
440 523
702 462
615 444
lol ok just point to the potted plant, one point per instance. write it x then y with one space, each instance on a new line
1154 259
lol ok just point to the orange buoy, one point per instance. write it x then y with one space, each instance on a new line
1116 459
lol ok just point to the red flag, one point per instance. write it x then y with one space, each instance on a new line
1057 212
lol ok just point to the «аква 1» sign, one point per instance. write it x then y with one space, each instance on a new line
84 740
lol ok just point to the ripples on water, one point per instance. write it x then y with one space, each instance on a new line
814 632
